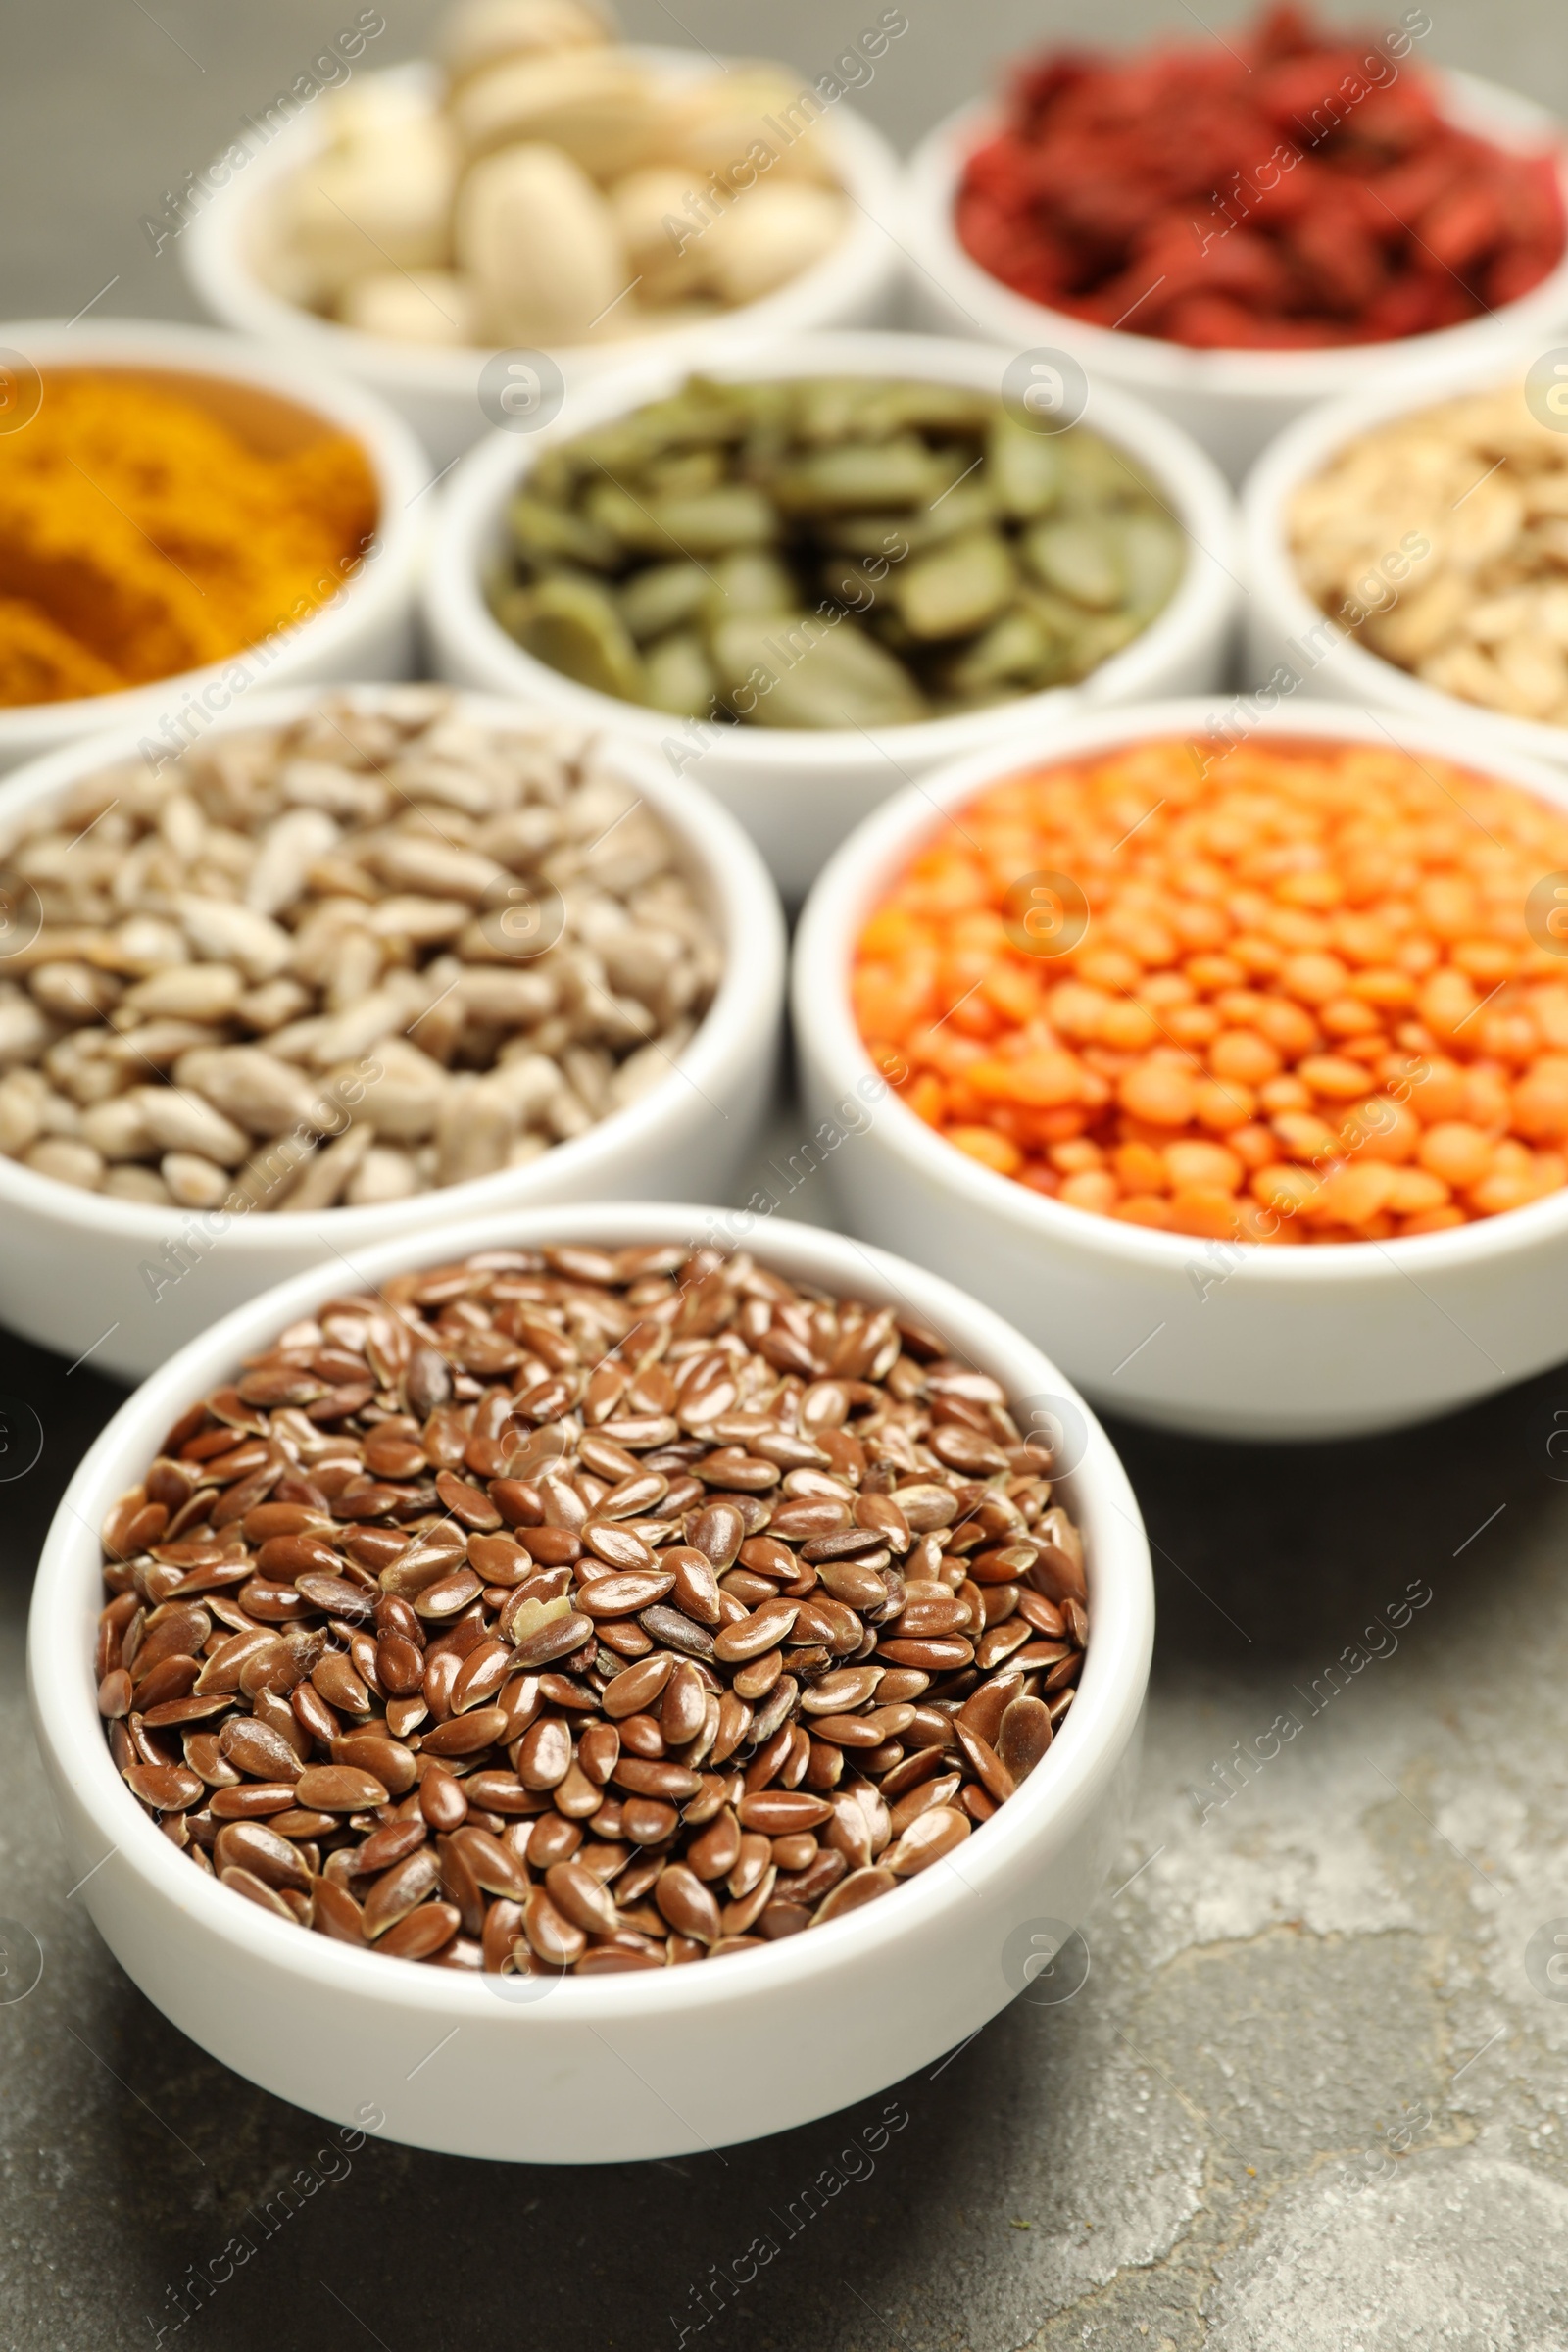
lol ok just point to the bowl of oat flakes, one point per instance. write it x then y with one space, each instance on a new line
1407 549
357 958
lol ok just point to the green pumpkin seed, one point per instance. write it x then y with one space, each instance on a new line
712 521
1152 557
747 583
575 628
1094 476
709 523
663 598
955 590
1025 470
679 678
1080 558
861 473
867 535
1097 639
685 473
543 530
514 609
885 626
798 671
835 408
1014 649
951 410
967 507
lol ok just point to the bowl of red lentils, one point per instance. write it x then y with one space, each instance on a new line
1230 1045
1237 229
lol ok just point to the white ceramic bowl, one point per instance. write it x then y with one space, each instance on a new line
798 792
1233 402
1336 1340
607 2068
82 1272
366 630
1286 629
438 390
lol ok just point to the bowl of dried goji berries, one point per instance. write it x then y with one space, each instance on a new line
1230 1045
1240 228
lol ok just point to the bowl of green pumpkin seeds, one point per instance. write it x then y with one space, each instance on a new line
808 573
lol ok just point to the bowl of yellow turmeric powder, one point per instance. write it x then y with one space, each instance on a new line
183 516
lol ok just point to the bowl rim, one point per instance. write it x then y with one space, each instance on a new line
875 853
1154 364
384 576
219 273
1301 453
713 847
466 632
68 1593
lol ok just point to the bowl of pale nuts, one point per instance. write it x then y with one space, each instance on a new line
356 960
544 193
564 1666
1408 548
812 569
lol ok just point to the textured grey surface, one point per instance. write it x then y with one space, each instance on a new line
1309 2097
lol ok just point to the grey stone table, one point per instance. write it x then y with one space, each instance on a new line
1301 2086
1297 2088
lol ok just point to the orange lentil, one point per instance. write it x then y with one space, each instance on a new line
1285 1093
1207 1211
993 1151
1381 1129
1334 1075
1095 1189
1187 1163
1220 1103
1347 1017
1539 1105
1073 1158
1307 1007
1138 1169
1143 1209
1241 1053
1253 1145
1156 1092
1416 1191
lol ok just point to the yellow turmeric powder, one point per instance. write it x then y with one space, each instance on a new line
140 536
